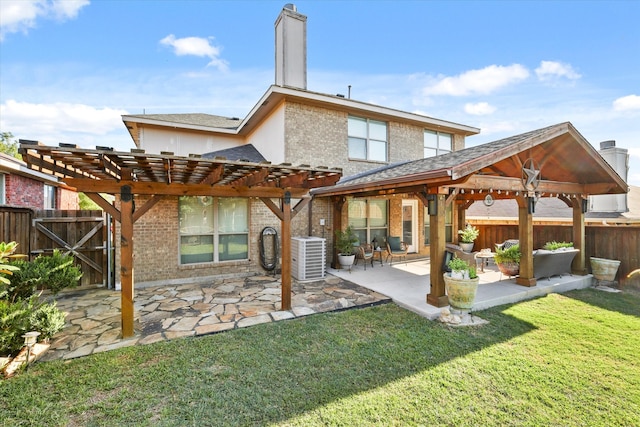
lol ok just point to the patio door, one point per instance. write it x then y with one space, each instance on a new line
410 224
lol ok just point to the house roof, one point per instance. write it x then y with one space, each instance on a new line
272 98
11 165
554 208
247 153
566 163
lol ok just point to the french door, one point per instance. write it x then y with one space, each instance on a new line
410 224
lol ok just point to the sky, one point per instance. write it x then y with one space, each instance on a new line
69 69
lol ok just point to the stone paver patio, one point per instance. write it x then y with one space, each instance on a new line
166 312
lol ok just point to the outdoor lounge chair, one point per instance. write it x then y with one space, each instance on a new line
396 248
507 244
365 253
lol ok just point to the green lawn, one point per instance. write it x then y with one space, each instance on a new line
561 360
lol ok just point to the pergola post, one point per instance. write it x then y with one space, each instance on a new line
579 265
126 260
286 252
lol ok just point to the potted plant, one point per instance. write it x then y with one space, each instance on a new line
508 260
345 241
467 237
461 284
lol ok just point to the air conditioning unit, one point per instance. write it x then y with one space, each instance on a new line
308 258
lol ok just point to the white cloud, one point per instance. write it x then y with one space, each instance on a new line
49 120
552 70
483 81
626 103
21 15
479 108
196 46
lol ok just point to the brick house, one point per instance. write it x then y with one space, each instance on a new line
292 125
23 187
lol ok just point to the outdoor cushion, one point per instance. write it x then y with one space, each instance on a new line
394 244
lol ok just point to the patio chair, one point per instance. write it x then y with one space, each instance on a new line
365 253
507 244
396 248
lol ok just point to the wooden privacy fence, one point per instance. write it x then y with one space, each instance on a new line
620 242
83 234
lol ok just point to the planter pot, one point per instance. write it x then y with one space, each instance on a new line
346 261
461 292
604 269
509 268
466 247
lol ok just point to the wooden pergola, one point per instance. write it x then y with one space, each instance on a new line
156 175
551 162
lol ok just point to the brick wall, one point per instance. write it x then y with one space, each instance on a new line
23 191
156 245
67 199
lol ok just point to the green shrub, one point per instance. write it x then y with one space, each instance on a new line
54 272
511 254
48 320
14 322
552 246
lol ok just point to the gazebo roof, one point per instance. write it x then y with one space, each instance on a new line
567 163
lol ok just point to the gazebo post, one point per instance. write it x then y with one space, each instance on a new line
525 232
579 265
126 260
437 296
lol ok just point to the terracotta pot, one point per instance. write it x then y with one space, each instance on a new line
461 292
509 268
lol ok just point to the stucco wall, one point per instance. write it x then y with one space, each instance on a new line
183 142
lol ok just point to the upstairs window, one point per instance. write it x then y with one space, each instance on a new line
437 143
367 139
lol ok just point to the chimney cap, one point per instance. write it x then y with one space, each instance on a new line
607 144
291 6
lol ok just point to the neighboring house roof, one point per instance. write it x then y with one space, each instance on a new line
246 153
566 160
11 165
554 208
271 100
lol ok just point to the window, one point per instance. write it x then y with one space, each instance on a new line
369 219
3 199
367 139
213 229
437 143
448 225
49 197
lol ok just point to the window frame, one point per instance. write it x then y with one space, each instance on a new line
448 225
49 197
368 139
380 232
217 234
438 149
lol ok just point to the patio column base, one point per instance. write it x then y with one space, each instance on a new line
523 281
437 301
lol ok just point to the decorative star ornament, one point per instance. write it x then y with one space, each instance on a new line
530 175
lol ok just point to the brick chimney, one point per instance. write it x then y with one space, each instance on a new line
291 48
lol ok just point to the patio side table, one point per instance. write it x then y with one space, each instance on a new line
484 257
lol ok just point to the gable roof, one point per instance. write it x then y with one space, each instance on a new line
567 163
272 98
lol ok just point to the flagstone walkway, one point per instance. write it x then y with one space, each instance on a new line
166 312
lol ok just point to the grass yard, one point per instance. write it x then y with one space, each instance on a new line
561 360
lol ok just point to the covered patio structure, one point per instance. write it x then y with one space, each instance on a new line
556 161
127 175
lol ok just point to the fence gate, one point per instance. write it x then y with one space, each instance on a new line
83 234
